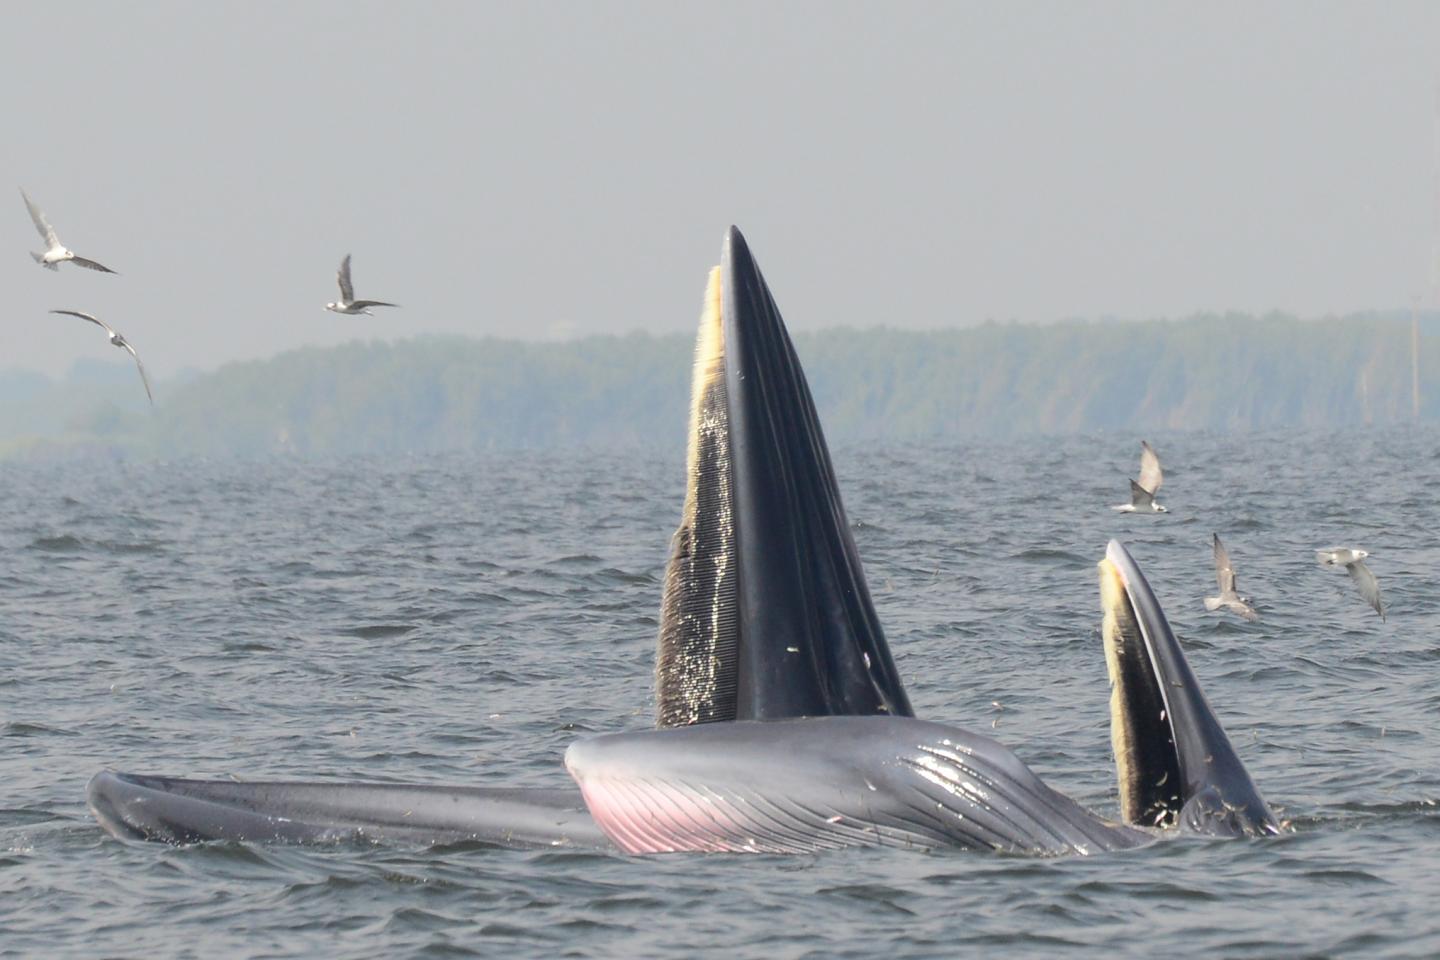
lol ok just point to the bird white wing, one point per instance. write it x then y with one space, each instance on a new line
1245 610
342 277
41 224
141 367
90 265
1150 475
85 316
371 303
1369 587
1224 573
1140 498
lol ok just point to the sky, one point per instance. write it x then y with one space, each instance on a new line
551 170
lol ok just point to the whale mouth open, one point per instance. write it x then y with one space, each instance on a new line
781 721
1173 760
766 613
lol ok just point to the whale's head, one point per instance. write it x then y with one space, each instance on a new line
765 613
1174 762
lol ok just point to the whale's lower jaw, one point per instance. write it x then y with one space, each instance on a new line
179 811
788 786
796 786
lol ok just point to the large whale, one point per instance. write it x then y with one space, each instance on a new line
781 722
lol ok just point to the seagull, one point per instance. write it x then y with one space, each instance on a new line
118 341
347 302
1352 561
55 252
1229 598
1142 491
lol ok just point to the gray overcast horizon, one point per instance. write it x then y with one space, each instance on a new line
548 170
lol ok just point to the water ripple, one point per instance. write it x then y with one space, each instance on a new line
463 619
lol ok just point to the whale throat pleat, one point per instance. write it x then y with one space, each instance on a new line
696 664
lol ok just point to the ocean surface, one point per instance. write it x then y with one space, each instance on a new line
462 619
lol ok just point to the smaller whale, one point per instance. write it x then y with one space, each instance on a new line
1142 491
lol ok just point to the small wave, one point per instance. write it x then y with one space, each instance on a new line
295 566
60 544
142 547
249 646
380 631
479 599
1044 555
26 816
1366 817
575 560
869 526
473 564
1146 890
629 902
335 574
870 893
1427 806
1343 877
20 728
612 575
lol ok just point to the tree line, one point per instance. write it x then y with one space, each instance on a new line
1228 372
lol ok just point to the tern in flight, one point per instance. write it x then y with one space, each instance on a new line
118 341
347 302
55 252
1229 598
1353 562
1142 491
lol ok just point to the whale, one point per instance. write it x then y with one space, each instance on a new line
781 723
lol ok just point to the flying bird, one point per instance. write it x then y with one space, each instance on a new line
347 302
1142 491
1229 598
118 341
1353 562
55 252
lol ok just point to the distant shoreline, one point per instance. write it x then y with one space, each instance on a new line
440 393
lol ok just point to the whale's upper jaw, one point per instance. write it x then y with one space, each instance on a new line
766 612
1174 761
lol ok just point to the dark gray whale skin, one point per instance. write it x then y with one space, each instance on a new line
810 746
783 786
190 811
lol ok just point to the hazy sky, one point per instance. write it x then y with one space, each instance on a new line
552 169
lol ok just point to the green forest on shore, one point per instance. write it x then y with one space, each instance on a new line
1227 372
